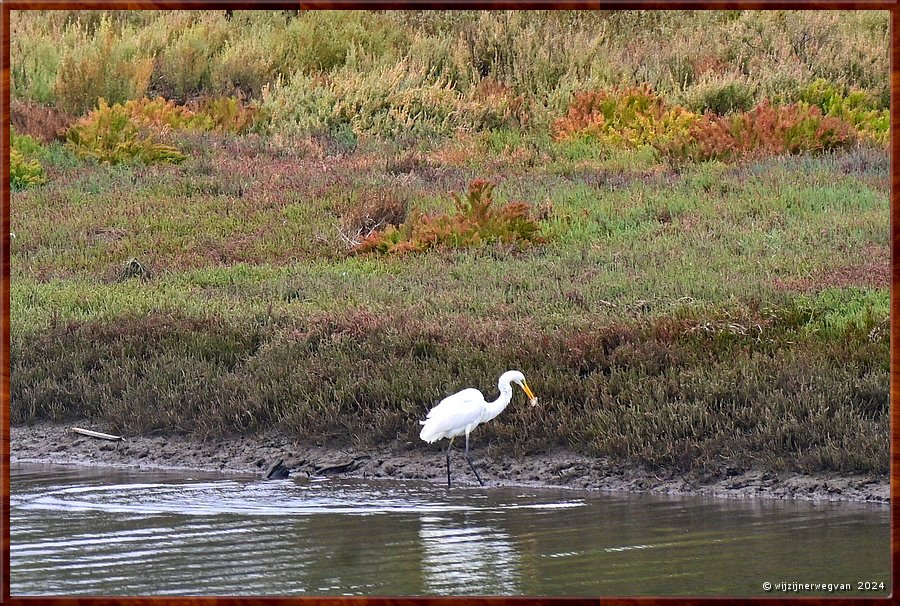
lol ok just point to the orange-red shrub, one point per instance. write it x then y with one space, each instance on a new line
476 221
766 129
633 117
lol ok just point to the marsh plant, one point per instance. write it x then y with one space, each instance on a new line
477 221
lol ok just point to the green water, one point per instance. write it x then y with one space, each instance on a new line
90 531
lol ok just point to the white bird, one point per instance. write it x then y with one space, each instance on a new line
465 410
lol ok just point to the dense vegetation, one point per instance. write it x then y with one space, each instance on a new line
328 221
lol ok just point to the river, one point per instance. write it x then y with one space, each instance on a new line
100 531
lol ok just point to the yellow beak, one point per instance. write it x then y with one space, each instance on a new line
528 391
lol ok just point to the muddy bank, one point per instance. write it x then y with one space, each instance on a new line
51 443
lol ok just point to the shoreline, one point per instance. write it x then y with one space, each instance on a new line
56 444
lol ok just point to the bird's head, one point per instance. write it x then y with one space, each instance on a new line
514 376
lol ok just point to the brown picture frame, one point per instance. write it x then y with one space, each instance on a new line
893 6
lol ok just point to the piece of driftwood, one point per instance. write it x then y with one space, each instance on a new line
97 434
340 465
277 471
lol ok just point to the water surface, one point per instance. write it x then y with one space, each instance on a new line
98 531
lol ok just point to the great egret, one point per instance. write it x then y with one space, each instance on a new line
464 411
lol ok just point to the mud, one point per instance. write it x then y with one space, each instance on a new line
57 444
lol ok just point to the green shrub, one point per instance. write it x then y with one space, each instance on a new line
855 107
395 100
34 62
226 114
109 134
25 170
322 41
303 104
161 113
207 114
24 173
720 96
124 132
184 66
390 101
630 117
246 65
26 145
101 65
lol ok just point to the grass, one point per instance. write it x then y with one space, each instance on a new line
654 320
399 71
688 315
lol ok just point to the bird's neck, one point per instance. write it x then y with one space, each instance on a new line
497 406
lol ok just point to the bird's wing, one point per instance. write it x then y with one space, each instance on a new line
461 400
452 415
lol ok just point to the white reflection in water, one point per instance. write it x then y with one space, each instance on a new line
464 558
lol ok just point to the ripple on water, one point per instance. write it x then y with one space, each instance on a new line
260 499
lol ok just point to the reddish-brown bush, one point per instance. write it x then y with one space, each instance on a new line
476 221
42 123
373 212
766 129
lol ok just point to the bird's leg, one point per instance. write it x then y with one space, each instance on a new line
448 462
470 461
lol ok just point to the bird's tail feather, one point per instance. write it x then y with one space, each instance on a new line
428 434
